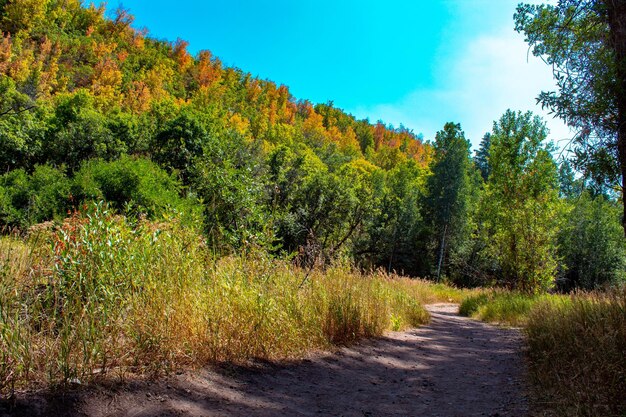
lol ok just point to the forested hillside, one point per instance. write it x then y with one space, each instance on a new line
92 109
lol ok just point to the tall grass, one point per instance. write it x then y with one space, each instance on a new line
98 295
501 306
577 348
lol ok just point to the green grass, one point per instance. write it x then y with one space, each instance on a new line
576 347
99 297
501 307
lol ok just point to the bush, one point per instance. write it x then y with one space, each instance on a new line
29 199
132 186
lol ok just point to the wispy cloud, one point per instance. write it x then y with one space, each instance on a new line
475 87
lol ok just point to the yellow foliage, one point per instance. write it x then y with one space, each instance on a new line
23 15
5 54
348 141
107 82
156 79
239 124
313 128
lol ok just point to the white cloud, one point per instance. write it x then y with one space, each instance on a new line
489 75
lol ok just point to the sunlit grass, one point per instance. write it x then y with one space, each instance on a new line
99 296
502 307
576 346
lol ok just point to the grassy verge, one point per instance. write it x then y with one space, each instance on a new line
502 307
578 354
99 296
577 347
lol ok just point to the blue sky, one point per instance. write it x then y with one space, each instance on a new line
421 63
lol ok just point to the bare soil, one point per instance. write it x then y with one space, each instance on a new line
454 366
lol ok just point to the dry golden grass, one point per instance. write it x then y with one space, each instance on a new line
99 296
576 347
578 354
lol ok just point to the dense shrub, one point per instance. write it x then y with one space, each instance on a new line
28 199
132 186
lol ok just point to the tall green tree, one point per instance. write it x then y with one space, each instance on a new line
585 43
591 244
482 156
569 186
448 189
394 240
520 203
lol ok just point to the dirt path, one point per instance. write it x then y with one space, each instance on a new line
452 367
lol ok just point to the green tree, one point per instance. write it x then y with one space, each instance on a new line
591 244
521 203
482 156
180 143
569 185
22 128
394 238
229 177
585 43
79 132
448 189
12 101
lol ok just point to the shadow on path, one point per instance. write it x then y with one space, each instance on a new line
452 367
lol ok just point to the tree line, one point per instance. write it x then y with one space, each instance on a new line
93 109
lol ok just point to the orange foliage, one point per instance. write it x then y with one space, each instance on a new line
209 70
313 126
253 90
47 66
5 54
380 131
122 56
138 41
138 97
181 56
